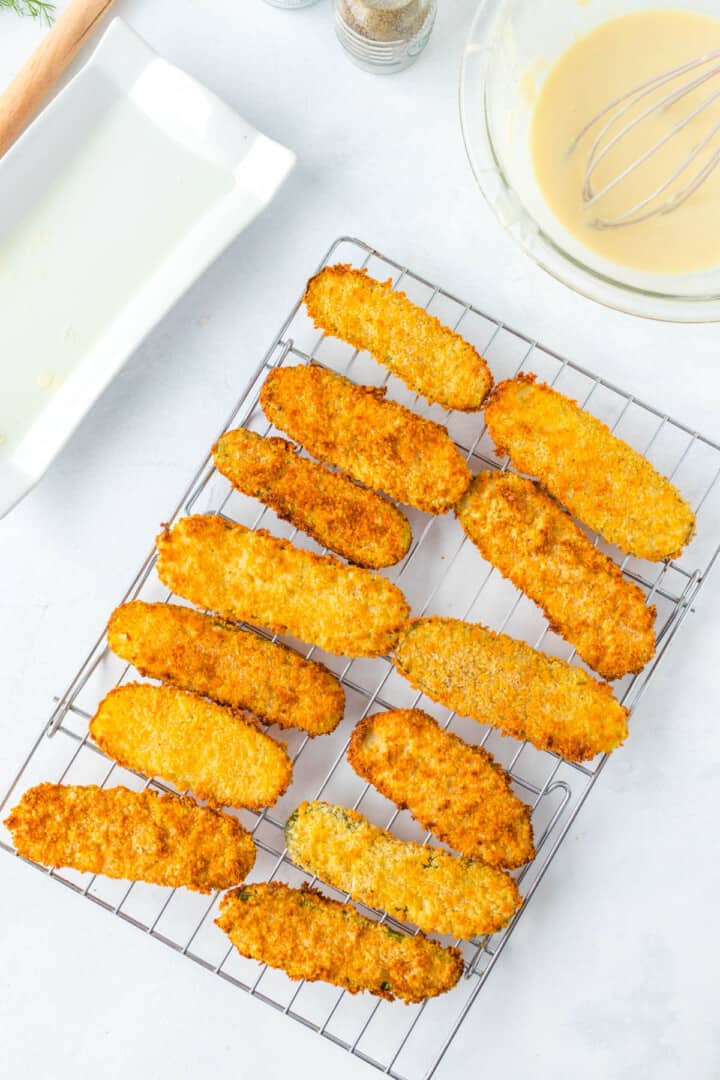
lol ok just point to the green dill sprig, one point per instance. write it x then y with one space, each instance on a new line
36 9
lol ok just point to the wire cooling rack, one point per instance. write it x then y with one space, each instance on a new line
442 573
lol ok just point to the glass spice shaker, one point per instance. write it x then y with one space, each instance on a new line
384 36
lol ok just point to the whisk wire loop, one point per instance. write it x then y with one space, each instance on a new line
617 109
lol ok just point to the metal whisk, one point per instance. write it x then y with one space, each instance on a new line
604 141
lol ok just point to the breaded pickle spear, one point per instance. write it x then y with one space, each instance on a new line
217 753
429 357
253 576
604 482
380 443
424 885
452 789
534 543
311 937
338 513
138 835
234 667
503 682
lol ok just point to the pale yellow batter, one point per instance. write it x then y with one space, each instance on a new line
598 68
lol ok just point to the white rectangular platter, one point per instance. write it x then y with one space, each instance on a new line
112 203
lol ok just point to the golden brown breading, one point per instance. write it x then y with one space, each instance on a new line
534 543
217 753
499 681
429 357
233 666
309 936
424 885
253 576
351 520
137 835
454 790
380 443
604 482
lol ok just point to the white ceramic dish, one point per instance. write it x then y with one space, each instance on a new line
112 203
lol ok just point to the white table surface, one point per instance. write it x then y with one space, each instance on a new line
612 972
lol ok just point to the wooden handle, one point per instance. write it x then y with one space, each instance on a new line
31 87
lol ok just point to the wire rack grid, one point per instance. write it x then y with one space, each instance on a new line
442 573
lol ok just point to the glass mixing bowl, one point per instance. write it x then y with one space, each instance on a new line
511 46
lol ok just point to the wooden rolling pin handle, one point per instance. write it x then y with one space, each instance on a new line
29 90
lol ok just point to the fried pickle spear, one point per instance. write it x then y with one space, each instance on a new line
309 936
424 885
380 443
602 481
454 790
232 666
351 520
215 752
534 543
503 682
253 576
429 357
137 835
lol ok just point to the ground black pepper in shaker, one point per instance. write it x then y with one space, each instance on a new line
384 36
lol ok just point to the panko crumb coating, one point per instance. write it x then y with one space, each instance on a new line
351 520
534 543
454 790
255 577
604 482
232 666
378 442
497 680
136 835
431 359
424 885
215 752
309 936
